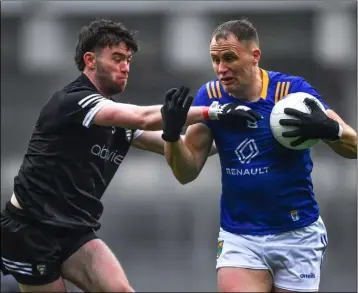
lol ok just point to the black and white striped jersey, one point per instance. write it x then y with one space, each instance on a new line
70 162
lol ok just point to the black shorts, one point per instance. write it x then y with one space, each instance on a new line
33 252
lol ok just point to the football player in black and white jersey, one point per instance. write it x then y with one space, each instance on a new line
80 138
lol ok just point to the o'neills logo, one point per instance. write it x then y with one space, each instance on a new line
107 154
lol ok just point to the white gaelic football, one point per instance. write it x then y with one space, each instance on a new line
295 101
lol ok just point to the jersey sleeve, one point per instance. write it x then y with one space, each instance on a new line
81 107
301 85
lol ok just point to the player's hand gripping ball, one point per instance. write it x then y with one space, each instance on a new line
297 102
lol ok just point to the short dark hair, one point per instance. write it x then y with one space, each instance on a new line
100 34
242 29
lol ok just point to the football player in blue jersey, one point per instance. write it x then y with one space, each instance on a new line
272 237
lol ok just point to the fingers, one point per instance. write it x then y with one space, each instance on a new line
242 113
298 141
290 122
292 133
184 91
295 113
175 97
310 103
256 115
169 94
187 103
250 117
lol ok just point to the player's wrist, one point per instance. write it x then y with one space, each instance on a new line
334 130
170 137
212 112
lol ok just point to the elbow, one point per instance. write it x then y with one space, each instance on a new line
352 155
183 180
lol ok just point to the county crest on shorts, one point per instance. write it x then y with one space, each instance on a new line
220 248
41 269
295 215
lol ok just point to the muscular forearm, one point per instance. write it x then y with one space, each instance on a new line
346 146
152 120
181 161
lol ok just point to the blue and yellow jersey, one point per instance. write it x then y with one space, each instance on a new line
266 188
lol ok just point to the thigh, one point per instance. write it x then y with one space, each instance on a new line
241 265
94 268
244 280
56 286
30 254
296 258
276 289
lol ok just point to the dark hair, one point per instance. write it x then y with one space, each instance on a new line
242 29
100 34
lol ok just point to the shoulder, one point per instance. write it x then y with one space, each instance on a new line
70 99
293 83
74 93
279 77
209 91
282 84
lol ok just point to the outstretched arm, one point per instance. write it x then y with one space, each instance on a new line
148 117
139 117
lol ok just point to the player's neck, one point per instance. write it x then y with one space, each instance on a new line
252 93
93 80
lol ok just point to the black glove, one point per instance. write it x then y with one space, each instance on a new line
316 125
174 112
233 112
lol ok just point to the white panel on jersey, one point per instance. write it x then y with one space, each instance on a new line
97 102
93 111
89 99
137 133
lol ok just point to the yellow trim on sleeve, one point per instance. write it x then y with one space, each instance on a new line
286 90
282 90
208 90
218 89
213 89
277 91
265 82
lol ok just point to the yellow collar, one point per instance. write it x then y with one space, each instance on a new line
265 82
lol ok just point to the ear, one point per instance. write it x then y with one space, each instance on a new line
90 60
256 53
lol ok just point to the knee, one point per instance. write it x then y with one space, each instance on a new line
119 287
127 288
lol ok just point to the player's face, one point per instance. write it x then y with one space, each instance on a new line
112 68
233 62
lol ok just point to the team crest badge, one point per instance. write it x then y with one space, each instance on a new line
220 248
294 215
41 269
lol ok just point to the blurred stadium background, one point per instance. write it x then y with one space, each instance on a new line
163 233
